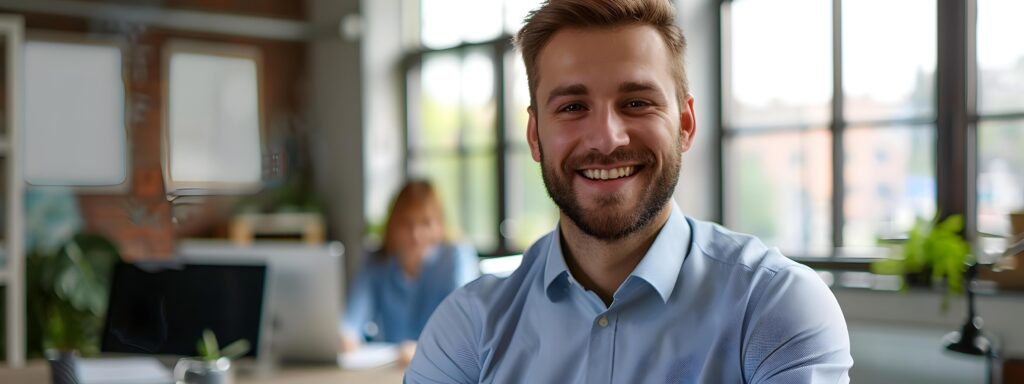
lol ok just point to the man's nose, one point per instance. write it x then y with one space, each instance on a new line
609 131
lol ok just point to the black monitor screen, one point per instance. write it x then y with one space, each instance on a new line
163 311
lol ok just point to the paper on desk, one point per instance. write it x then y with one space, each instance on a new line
370 355
135 370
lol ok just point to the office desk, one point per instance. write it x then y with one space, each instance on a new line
38 372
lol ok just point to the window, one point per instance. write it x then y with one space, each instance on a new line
1000 114
466 96
828 137
85 144
899 149
212 131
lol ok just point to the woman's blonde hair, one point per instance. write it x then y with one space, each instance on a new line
415 194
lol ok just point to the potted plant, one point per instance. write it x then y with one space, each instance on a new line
934 251
67 298
213 366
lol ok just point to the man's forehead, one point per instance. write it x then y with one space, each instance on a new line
636 53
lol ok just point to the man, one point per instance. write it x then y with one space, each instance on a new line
626 289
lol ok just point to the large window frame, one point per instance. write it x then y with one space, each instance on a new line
956 120
502 53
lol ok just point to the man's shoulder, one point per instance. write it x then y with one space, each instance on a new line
736 250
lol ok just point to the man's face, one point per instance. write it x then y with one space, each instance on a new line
608 127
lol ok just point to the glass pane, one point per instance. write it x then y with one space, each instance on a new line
480 207
531 213
902 85
516 116
1000 174
437 124
516 11
1000 56
214 119
889 180
778 186
85 84
456 103
443 171
478 101
447 23
467 188
780 63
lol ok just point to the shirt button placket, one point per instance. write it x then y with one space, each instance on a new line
602 348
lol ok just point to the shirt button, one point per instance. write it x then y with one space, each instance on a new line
603 322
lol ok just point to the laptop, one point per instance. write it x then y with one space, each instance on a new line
162 309
303 299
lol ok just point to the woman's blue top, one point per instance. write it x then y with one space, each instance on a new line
385 305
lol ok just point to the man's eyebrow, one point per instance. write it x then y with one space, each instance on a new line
567 90
635 86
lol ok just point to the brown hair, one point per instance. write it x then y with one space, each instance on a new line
415 194
553 15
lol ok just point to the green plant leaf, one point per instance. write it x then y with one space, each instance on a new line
236 349
210 341
201 349
952 224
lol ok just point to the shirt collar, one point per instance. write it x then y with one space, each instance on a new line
554 266
659 267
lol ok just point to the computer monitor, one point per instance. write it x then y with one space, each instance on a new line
162 309
303 293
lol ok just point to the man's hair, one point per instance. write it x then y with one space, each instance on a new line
554 15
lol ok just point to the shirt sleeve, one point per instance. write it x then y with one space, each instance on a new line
797 333
467 264
447 348
359 306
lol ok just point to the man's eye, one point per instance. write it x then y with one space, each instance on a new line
636 104
575 107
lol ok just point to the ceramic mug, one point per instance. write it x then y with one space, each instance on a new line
196 371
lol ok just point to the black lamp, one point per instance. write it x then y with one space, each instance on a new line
970 339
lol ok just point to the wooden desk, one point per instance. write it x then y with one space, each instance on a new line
38 372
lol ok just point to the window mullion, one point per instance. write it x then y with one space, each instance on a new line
837 126
498 52
952 136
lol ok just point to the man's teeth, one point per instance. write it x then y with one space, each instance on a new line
607 174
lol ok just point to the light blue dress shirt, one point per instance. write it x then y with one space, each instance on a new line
399 306
705 305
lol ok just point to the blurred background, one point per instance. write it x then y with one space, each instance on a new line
829 128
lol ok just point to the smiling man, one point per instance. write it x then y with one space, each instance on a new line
627 289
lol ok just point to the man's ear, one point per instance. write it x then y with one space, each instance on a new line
532 136
687 123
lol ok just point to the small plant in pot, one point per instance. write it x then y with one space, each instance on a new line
213 365
933 252
67 291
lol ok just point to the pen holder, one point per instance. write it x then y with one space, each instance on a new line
196 371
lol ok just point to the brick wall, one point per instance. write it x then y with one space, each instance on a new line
139 220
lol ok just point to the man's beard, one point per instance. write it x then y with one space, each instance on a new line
606 222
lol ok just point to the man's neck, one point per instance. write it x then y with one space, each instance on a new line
601 266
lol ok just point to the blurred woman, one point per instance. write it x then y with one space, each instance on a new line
400 285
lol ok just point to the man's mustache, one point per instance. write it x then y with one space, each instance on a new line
619 156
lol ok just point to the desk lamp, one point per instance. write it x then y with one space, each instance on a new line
970 339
